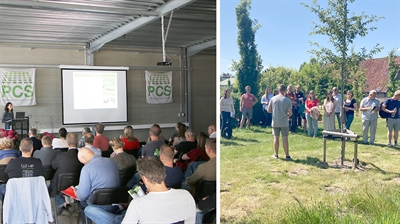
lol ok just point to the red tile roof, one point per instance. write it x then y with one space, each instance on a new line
376 74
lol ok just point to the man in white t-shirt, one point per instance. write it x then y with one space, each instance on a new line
281 109
160 205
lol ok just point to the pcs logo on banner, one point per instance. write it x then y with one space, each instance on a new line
158 87
18 86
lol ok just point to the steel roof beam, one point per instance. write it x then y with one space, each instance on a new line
199 47
76 7
137 23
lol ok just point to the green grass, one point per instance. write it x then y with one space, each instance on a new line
256 188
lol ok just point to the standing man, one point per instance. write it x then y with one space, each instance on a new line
281 109
369 107
300 100
391 106
338 98
247 102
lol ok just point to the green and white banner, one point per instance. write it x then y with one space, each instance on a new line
158 87
17 86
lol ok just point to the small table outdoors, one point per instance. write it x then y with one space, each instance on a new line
343 136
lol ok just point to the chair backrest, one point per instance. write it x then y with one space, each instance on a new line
126 174
3 175
66 180
204 188
48 172
108 196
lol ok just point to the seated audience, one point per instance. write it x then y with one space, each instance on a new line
160 136
130 142
24 166
160 205
207 170
212 131
186 146
46 154
197 154
89 138
6 151
61 143
175 134
121 158
65 162
151 148
37 144
181 135
100 141
174 175
86 130
97 172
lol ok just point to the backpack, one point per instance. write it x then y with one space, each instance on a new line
382 113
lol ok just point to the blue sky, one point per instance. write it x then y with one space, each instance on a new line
283 39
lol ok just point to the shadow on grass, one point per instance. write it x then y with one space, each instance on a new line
229 143
313 162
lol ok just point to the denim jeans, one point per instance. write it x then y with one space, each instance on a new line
268 118
350 119
104 214
311 122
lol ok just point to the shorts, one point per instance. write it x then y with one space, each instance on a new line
247 113
393 124
277 131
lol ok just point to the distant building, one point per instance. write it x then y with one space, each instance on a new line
225 84
377 75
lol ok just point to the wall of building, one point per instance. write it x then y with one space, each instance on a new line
46 115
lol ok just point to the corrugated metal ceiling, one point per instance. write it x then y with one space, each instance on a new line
84 24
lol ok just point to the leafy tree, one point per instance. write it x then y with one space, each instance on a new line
248 68
394 70
342 30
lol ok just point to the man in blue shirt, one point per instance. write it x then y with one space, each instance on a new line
97 173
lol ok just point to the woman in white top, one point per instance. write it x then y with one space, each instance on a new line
61 143
264 102
227 109
329 107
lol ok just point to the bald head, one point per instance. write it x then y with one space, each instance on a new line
84 155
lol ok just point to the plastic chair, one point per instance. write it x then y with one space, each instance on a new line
48 172
64 181
108 196
31 194
126 174
204 188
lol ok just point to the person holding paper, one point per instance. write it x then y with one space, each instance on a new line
8 115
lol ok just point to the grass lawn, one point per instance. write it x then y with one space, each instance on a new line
256 188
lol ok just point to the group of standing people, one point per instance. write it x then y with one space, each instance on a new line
305 109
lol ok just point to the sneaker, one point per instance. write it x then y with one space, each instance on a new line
275 156
247 127
288 158
396 145
389 145
64 208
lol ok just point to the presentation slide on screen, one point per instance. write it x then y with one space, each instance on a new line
92 96
104 84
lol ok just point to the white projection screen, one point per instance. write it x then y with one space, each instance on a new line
90 96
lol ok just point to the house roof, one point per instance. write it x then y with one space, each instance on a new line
376 74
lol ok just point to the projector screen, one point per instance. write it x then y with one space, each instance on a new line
90 96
